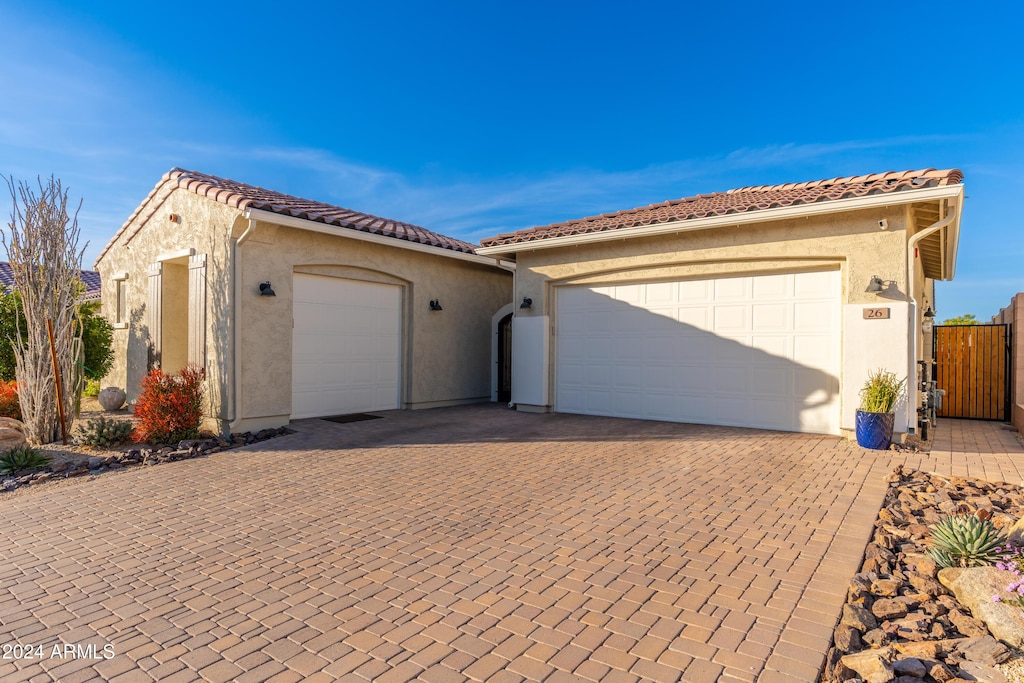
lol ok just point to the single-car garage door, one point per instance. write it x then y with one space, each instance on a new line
756 351
345 346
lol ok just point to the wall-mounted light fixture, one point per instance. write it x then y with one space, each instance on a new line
435 305
527 302
875 285
929 320
266 289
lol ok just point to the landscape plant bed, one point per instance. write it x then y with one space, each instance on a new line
900 623
67 463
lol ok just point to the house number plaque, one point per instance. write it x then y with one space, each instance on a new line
876 313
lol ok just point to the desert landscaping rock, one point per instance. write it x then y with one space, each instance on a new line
974 588
66 464
901 602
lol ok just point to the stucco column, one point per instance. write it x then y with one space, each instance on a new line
197 310
154 310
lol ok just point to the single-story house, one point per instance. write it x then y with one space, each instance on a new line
297 308
90 280
759 307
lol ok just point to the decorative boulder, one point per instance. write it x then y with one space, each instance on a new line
12 434
111 398
975 588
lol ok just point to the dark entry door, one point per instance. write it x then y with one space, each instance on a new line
505 359
972 364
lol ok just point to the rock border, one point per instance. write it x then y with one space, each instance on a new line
84 463
900 623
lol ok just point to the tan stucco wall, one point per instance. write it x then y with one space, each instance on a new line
205 227
1013 315
446 354
850 241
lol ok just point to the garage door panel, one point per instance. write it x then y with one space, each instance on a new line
699 318
815 284
772 287
730 319
734 288
757 351
345 346
695 291
778 345
772 317
773 382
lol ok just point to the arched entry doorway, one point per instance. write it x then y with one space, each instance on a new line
501 354
505 359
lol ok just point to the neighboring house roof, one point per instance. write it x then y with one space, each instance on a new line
90 278
743 200
242 196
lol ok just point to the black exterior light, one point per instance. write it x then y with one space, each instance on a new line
266 289
435 305
929 320
527 302
875 285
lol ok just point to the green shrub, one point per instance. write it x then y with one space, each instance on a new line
97 336
92 388
22 458
101 432
965 541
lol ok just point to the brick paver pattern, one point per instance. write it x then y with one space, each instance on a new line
468 543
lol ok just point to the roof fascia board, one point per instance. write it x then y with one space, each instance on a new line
759 216
313 226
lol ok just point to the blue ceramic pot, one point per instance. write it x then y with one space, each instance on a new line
874 430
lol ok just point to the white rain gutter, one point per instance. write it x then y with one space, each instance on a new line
759 216
914 329
236 356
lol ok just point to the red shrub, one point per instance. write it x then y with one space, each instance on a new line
170 407
9 405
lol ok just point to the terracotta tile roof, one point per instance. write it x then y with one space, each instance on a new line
90 278
742 200
242 196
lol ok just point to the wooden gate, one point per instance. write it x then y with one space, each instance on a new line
972 366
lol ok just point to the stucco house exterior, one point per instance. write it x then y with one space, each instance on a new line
297 308
758 307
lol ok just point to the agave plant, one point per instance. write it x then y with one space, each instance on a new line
965 541
22 458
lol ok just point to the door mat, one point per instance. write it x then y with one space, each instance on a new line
351 417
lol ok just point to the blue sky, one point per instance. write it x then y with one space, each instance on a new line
473 118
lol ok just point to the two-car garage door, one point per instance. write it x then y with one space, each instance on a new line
346 343
756 351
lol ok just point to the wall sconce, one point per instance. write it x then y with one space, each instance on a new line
929 320
435 305
876 285
266 289
527 302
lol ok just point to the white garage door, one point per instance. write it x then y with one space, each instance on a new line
759 351
345 346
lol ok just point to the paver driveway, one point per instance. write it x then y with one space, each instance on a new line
460 543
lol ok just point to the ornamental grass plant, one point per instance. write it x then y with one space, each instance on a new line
881 392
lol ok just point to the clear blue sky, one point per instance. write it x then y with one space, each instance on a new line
481 117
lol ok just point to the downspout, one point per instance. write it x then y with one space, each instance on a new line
236 356
914 328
